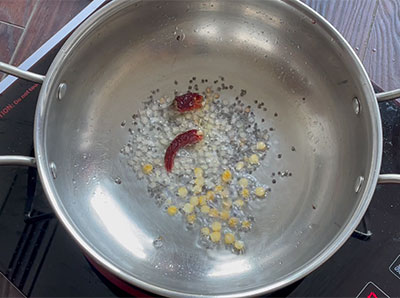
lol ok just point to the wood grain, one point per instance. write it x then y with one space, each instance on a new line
383 59
352 18
49 17
16 12
9 36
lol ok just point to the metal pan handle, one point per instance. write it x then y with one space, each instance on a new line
22 74
18 160
380 97
389 95
388 178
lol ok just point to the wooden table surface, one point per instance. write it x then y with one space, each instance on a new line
372 27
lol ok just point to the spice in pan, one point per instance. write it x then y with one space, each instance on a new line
198 156
187 138
189 101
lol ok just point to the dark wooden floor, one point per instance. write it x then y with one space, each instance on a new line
372 27
26 24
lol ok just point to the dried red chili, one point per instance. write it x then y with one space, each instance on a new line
187 138
188 102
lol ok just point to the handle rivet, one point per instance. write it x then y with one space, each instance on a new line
62 89
356 105
53 170
359 182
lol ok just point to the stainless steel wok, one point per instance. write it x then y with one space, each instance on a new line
281 52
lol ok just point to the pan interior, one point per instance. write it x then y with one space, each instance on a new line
284 57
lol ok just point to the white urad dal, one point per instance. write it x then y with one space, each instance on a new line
211 188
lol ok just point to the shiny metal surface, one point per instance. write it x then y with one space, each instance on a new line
274 51
12 70
280 52
62 89
359 182
17 160
388 178
389 95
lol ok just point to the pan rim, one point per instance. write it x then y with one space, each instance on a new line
52 195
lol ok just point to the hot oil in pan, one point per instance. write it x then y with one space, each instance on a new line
211 188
